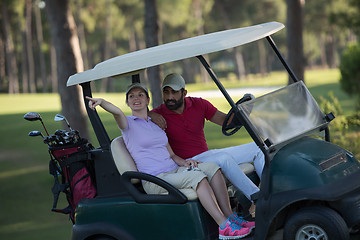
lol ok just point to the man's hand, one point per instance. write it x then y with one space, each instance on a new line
158 120
191 162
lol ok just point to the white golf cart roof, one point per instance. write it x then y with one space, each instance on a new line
134 62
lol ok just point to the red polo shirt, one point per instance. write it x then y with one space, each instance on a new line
186 131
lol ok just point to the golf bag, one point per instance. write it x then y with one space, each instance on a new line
72 163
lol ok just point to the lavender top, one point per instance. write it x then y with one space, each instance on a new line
146 142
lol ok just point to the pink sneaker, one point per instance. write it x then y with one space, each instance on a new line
242 222
233 231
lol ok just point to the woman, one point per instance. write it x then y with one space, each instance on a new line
148 145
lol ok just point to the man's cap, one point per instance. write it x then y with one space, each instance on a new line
136 85
175 81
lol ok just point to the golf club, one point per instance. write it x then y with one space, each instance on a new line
34 116
35 133
59 117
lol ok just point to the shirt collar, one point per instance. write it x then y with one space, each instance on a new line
135 118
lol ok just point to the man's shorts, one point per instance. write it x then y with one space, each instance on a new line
180 178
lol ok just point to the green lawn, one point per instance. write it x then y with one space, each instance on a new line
25 185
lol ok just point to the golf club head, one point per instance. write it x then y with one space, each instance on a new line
32 116
35 133
59 117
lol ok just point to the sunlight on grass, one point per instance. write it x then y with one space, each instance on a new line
23 103
21 226
18 172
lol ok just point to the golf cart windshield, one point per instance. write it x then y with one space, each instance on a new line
284 114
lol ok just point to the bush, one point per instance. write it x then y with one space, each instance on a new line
344 131
350 71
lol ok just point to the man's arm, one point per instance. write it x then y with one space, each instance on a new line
218 118
158 119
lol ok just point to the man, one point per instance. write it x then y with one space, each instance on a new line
183 119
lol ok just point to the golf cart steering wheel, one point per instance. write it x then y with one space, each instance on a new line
229 129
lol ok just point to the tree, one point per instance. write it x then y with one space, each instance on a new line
39 34
9 52
294 43
239 66
105 84
152 39
29 46
69 61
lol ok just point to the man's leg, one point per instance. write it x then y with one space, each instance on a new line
246 153
231 170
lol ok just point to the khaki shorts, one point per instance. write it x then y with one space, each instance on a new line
180 178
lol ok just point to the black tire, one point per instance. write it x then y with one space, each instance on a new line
101 237
316 223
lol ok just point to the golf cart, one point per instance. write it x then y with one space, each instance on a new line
309 186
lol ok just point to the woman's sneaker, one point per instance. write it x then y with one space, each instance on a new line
233 231
242 222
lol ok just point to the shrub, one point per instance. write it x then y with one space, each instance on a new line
350 71
344 131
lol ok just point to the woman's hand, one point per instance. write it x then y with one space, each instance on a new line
94 102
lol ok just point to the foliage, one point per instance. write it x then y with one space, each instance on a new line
346 15
345 131
350 71
108 28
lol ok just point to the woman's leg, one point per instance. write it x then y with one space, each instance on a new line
218 185
208 201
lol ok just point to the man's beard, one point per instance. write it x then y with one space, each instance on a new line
176 105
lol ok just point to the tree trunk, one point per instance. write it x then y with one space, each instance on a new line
152 39
2 65
69 61
81 32
29 46
322 51
262 58
198 15
239 63
11 65
39 34
105 84
331 49
239 66
54 79
24 68
294 41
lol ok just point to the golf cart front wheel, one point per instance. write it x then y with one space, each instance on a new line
316 223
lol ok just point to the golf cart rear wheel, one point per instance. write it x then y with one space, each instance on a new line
316 223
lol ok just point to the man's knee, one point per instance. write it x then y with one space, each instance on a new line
221 158
209 166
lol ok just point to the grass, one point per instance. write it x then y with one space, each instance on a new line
25 185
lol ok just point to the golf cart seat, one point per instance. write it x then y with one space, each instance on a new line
124 162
